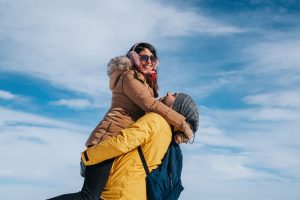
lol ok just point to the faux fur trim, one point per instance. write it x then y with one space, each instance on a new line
120 63
115 69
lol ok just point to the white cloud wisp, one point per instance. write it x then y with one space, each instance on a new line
69 46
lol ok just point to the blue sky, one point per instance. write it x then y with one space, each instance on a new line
240 60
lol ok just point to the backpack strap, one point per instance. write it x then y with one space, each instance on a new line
143 160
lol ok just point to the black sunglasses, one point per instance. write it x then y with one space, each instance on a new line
145 58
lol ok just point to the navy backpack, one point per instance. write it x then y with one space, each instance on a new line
164 183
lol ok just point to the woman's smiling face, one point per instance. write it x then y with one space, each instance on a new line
149 62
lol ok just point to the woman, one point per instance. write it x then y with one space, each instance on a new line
133 81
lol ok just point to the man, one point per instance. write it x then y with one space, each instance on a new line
153 134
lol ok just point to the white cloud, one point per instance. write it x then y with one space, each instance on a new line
281 106
207 185
49 150
68 43
287 98
12 117
73 103
40 166
274 114
274 63
256 144
243 146
231 174
264 66
7 95
243 153
39 151
233 154
279 55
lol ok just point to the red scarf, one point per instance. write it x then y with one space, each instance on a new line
152 73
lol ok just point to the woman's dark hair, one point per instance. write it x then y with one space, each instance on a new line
138 48
141 46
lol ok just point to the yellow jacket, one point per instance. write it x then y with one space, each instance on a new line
127 176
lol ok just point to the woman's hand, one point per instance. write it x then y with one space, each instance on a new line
179 138
186 129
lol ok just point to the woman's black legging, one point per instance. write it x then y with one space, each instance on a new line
95 179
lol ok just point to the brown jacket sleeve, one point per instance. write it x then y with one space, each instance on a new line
140 94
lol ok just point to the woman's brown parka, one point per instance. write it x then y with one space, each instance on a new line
131 98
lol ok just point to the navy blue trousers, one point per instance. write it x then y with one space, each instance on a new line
95 179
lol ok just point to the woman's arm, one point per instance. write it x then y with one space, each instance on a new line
140 94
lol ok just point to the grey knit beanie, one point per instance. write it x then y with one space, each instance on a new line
185 105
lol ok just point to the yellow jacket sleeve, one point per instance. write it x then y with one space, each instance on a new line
129 139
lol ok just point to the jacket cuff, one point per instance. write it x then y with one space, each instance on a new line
85 159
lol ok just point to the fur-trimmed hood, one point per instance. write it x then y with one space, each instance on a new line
116 67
